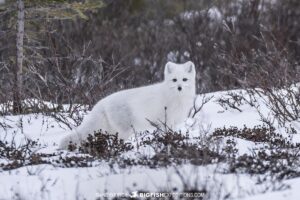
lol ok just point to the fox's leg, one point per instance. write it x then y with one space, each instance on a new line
73 137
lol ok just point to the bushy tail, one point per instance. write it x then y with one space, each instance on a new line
96 120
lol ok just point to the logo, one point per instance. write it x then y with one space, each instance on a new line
134 194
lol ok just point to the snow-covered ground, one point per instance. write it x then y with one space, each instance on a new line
48 181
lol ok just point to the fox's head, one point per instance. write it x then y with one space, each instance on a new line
181 77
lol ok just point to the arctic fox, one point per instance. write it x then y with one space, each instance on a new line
131 110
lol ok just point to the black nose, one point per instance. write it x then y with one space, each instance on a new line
179 88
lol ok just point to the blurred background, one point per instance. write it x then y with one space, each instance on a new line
81 51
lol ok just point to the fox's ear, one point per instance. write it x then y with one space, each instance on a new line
168 68
189 67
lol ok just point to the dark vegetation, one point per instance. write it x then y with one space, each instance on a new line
272 155
126 43
264 134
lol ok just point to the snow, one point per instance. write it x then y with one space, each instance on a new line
188 15
90 182
45 181
292 193
215 14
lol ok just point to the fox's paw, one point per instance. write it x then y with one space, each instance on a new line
64 143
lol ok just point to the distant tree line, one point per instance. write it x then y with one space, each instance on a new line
78 54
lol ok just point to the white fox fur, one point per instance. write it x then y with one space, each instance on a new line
129 110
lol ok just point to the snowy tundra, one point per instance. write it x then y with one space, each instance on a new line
131 110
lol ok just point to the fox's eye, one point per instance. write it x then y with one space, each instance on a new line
184 79
174 79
